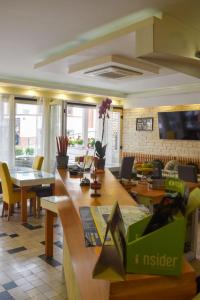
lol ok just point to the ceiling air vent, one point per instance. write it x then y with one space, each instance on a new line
112 72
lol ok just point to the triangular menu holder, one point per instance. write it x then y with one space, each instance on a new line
110 264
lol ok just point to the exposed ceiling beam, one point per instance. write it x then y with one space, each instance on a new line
62 86
170 43
101 35
114 59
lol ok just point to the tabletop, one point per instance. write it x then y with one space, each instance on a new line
22 176
156 195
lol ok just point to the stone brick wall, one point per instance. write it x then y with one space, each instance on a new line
149 141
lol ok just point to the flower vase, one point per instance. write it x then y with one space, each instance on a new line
62 161
99 163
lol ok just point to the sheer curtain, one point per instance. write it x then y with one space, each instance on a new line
111 137
43 131
7 129
55 130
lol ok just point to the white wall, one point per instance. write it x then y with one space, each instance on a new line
149 141
162 100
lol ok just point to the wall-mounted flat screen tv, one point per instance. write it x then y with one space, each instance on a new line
179 125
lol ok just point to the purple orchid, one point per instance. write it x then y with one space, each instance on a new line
103 112
104 107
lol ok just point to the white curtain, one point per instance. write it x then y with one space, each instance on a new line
7 129
107 138
111 136
55 130
43 132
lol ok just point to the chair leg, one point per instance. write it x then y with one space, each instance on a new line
3 209
38 206
12 208
9 212
30 207
34 206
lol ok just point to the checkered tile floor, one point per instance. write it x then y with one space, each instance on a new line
24 271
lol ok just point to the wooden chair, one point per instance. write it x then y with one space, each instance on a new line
11 195
42 190
126 168
86 160
125 172
187 173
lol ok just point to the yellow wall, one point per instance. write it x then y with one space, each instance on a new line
56 94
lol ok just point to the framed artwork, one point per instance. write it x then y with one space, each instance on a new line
144 124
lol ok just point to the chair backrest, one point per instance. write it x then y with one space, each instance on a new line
193 201
126 167
175 185
6 183
187 173
37 162
88 160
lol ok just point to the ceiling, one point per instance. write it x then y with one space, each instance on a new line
32 31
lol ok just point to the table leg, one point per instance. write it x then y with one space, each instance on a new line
49 220
24 204
53 188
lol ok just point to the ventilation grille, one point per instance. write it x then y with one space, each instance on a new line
112 72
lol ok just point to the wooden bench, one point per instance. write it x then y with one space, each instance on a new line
145 157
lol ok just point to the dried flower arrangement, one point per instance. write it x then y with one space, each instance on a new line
62 145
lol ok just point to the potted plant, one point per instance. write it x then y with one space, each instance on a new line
62 157
100 150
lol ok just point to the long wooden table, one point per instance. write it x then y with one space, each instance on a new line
79 261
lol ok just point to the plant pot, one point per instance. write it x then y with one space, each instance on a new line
99 163
62 161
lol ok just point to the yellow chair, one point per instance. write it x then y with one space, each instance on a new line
86 160
11 195
37 163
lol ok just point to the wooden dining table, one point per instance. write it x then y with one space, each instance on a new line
155 195
25 179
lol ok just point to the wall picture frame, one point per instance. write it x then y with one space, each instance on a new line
144 124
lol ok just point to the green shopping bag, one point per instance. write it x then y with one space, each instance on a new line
159 252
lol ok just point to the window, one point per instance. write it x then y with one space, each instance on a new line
25 132
114 140
81 129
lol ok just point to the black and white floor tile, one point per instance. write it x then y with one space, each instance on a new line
25 273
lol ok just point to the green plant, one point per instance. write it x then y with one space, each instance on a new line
19 151
79 142
29 151
100 150
71 142
62 145
91 142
